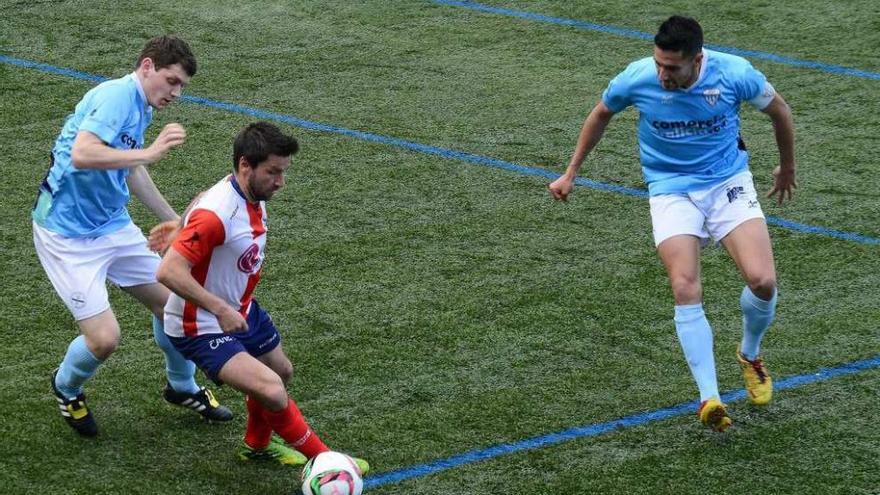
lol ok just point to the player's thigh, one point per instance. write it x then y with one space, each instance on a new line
680 255
278 362
735 218
153 296
77 269
749 246
675 215
247 374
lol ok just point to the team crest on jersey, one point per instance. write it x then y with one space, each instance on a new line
711 96
250 259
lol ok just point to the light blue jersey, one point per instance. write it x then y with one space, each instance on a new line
689 138
88 202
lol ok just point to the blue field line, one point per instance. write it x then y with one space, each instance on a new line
18 62
597 429
431 150
632 33
812 229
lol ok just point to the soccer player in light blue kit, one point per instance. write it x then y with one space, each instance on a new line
84 235
696 168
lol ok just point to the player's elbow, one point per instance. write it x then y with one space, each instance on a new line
163 274
83 151
77 157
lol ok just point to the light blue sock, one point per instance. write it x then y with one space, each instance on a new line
695 337
758 314
180 371
78 366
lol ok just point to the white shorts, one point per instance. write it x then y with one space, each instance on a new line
79 267
714 212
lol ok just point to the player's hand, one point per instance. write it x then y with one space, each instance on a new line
561 188
231 321
784 183
171 136
162 235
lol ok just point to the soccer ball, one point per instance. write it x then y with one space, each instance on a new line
331 473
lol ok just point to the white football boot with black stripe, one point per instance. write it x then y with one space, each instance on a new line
202 402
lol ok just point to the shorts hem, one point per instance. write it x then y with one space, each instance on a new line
78 318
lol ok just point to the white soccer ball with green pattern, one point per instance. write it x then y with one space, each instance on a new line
331 473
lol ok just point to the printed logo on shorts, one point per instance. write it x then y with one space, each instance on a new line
250 259
753 204
268 341
734 192
78 299
215 343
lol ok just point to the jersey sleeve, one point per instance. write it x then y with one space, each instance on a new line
107 113
616 96
202 233
751 86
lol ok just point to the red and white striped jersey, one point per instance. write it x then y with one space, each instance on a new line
224 237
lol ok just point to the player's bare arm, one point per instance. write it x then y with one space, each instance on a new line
591 133
89 151
175 273
784 179
141 185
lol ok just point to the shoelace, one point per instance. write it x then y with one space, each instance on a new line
758 366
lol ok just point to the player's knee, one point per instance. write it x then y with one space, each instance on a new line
285 371
763 286
686 289
272 392
103 344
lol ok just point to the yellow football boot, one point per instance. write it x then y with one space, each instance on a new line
759 385
714 415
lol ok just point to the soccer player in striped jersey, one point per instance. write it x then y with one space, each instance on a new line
212 267
84 235
696 168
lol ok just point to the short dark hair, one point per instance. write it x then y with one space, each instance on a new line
259 140
165 51
680 34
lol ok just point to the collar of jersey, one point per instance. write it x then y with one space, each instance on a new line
237 188
702 72
140 89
